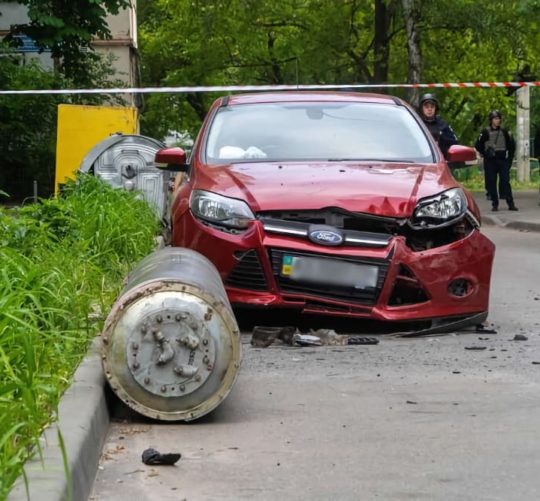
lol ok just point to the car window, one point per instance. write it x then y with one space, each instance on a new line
316 131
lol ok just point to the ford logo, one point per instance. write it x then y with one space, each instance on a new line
325 235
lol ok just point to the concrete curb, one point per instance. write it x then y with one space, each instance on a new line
83 421
490 220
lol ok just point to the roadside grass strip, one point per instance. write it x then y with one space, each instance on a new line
473 179
62 262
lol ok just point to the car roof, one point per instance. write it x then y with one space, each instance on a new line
310 96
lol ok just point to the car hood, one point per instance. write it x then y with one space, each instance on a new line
382 189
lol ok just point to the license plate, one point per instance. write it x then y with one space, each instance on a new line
329 271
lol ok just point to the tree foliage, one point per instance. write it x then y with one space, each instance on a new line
228 42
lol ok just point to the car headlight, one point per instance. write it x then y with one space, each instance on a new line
220 210
440 210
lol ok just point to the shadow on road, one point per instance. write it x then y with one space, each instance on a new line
248 318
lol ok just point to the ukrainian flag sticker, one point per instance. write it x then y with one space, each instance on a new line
287 265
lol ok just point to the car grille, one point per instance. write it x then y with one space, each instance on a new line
350 294
301 230
338 218
248 273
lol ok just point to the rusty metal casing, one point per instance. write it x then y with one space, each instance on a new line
171 345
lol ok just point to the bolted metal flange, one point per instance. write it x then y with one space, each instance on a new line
179 349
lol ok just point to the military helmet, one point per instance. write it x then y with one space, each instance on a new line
429 97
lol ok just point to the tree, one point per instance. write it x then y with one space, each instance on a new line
27 129
411 13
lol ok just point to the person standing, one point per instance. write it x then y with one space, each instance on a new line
497 146
439 128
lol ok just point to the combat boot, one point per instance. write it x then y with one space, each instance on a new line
511 205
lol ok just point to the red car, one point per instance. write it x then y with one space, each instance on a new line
332 203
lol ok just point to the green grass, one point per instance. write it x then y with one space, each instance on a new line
473 179
62 262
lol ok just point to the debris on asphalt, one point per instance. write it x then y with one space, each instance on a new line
484 330
264 336
329 337
520 337
445 328
362 340
478 348
412 402
153 457
286 334
307 340
109 453
535 363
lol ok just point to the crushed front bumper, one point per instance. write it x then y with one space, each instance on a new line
445 282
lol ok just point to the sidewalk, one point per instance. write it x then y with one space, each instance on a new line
526 219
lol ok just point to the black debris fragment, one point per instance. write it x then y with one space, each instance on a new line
153 457
362 340
477 348
286 334
535 363
412 402
520 337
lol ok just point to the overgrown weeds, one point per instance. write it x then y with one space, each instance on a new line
62 262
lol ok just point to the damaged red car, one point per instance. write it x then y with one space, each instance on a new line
332 203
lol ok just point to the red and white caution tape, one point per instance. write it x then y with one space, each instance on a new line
250 88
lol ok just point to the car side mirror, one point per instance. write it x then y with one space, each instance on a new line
171 159
459 156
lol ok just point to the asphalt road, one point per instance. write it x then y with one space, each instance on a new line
421 418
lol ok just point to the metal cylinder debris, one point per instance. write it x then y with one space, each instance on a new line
171 346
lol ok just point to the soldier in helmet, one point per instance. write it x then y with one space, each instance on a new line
497 146
440 130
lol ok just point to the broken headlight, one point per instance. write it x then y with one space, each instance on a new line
440 210
220 210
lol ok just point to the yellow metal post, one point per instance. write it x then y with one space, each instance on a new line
82 127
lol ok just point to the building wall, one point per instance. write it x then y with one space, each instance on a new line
14 13
122 45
